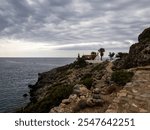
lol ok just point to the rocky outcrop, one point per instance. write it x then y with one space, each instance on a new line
75 102
79 101
144 37
139 53
68 88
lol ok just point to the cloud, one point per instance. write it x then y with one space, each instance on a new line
73 24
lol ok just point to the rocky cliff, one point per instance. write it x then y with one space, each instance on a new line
139 53
78 87
87 87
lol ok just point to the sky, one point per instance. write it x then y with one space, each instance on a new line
64 28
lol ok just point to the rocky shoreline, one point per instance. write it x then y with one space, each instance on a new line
96 87
61 83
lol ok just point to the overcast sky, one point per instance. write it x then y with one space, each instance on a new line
57 28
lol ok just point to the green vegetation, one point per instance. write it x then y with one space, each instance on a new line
111 55
93 55
101 51
87 81
121 77
121 55
79 63
100 67
53 98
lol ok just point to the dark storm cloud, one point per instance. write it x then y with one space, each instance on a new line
63 22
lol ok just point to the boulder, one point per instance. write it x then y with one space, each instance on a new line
96 91
73 97
66 101
90 102
83 91
76 91
77 87
98 101
96 96
80 90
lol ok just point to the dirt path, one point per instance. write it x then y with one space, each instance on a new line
108 68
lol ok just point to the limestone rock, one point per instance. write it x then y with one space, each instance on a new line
66 101
96 91
90 102
96 96
143 110
98 101
73 97
122 94
80 89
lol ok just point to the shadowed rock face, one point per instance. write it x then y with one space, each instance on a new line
144 36
139 53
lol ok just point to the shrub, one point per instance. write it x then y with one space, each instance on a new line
121 55
87 75
79 63
53 98
100 66
87 82
121 77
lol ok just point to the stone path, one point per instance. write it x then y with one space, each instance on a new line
135 96
109 67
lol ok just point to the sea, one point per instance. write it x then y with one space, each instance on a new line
17 73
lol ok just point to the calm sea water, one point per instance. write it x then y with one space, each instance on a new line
17 73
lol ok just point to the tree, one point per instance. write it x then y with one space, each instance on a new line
111 55
120 55
78 56
101 51
93 55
